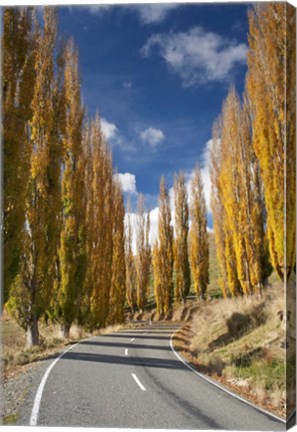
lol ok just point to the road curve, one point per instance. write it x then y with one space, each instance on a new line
132 379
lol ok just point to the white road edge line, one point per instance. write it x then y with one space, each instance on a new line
138 382
126 351
37 400
221 387
131 340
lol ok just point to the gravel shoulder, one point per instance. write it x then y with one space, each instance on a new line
18 391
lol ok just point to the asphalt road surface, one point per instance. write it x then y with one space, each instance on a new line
132 379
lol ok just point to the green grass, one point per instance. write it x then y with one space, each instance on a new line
269 374
10 419
249 353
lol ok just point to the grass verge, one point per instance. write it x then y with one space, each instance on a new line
241 344
10 419
14 354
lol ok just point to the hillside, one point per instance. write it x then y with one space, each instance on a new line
241 343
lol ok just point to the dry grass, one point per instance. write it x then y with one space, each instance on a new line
13 345
241 342
14 353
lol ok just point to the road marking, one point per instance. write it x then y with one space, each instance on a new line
138 382
37 401
131 340
218 386
126 351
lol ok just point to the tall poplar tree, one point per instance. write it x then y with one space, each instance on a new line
72 252
165 250
118 281
237 184
181 258
32 289
271 73
199 251
99 227
143 257
18 78
229 282
158 291
130 262
241 197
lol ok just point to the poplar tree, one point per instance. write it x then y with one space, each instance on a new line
18 78
238 189
199 252
130 262
88 151
158 291
72 252
32 289
270 83
181 259
100 227
229 282
118 281
165 250
143 257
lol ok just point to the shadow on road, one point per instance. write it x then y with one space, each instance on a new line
137 336
129 361
125 345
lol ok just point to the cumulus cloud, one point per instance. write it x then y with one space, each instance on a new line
147 13
154 13
154 213
127 84
154 216
128 182
152 136
98 9
197 56
205 173
153 235
109 130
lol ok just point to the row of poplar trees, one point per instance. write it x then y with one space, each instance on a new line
182 251
68 249
177 253
64 255
253 159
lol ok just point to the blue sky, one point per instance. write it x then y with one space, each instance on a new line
158 76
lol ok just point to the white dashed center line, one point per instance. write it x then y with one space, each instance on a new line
126 351
138 382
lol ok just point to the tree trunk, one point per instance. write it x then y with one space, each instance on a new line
64 331
32 333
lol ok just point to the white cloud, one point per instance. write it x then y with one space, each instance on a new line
205 173
147 13
153 236
131 218
154 216
197 56
154 13
115 138
128 182
127 84
109 130
152 136
98 9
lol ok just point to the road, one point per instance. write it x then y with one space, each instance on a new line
132 379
